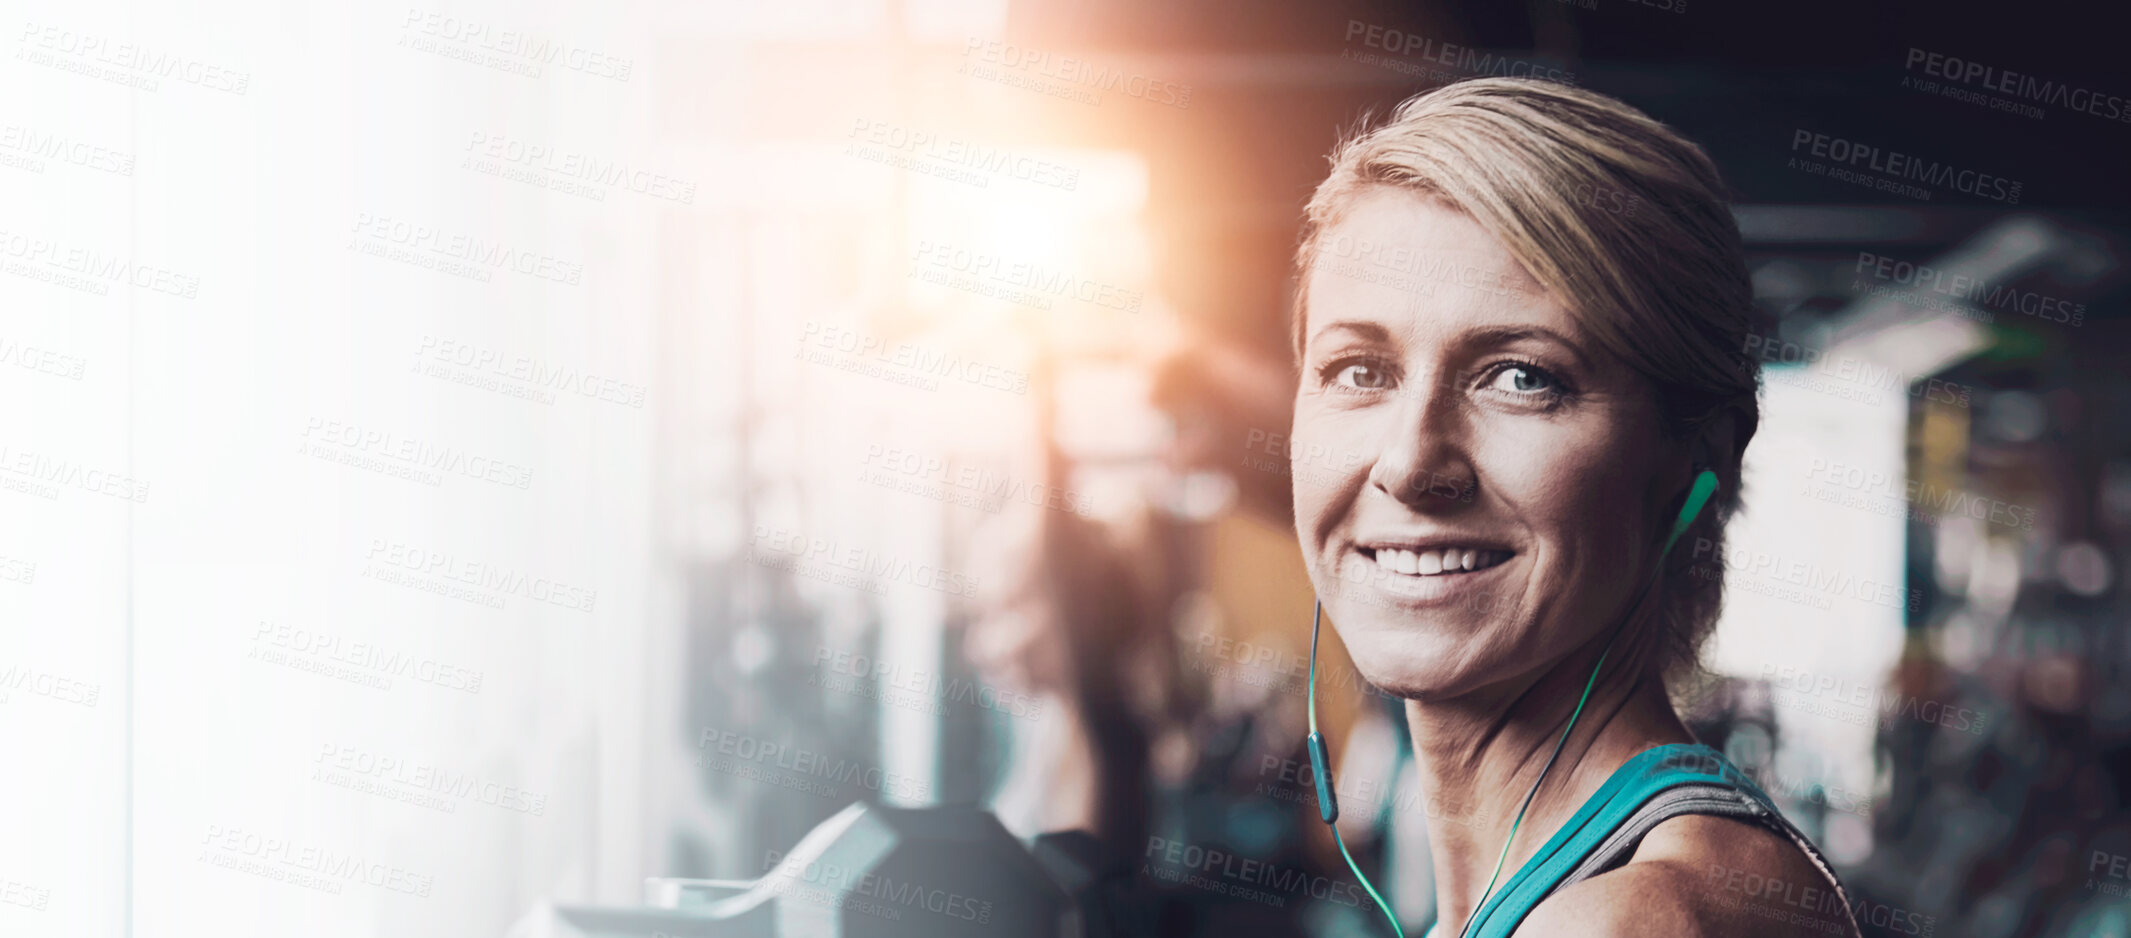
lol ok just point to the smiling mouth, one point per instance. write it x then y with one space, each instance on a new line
1434 563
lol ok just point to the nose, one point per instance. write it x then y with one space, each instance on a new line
1425 462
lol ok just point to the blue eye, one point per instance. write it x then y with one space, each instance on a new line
1523 379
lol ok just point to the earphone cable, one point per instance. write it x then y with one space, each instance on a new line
1317 626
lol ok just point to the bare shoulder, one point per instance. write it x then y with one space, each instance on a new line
1699 875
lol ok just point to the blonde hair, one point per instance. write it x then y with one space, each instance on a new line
1616 215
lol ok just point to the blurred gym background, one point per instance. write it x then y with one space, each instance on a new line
1934 690
943 453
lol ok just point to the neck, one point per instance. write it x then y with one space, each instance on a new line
1479 754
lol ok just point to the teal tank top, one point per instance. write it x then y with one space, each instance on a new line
1658 784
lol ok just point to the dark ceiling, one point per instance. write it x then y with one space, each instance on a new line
1272 92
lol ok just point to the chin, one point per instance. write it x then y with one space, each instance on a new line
1394 657
1422 654
1418 637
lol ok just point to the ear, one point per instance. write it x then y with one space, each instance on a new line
1716 445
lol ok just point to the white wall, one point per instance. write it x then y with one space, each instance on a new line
216 392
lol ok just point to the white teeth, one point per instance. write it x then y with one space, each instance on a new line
1435 562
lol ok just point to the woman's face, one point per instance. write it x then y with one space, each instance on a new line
1475 478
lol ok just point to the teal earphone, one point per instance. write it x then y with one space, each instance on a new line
1705 485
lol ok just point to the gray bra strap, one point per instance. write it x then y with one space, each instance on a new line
1720 800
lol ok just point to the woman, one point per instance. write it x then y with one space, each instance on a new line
1521 330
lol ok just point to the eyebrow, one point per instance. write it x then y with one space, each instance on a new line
1504 335
1364 329
1486 336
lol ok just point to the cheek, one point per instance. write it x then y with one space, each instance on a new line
1586 499
1327 464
